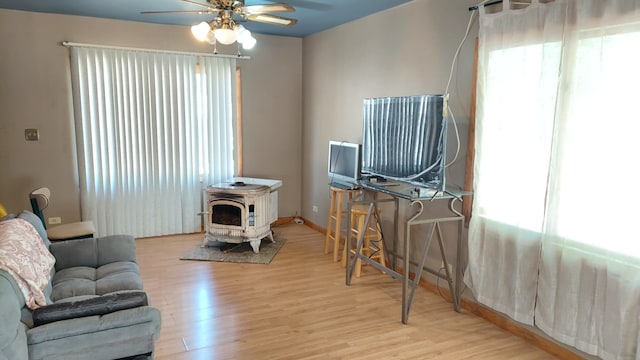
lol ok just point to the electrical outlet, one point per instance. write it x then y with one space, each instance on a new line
31 134
55 220
315 208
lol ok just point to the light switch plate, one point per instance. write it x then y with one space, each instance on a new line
31 134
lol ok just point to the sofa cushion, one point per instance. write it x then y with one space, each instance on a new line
94 252
97 305
83 280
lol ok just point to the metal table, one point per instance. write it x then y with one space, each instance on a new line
417 197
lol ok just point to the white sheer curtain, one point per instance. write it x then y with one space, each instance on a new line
149 127
518 66
552 241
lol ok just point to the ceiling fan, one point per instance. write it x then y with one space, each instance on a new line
224 28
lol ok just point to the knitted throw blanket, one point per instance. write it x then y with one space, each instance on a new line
24 256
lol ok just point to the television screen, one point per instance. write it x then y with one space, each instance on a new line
404 139
344 162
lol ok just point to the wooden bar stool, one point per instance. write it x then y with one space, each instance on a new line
334 231
373 246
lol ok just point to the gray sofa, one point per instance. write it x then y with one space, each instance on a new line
96 307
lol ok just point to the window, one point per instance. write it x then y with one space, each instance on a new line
552 241
582 151
151 129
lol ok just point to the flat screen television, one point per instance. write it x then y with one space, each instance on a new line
344 163
404 139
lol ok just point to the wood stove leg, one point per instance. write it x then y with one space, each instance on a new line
255 244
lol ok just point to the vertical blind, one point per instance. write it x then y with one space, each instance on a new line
151 129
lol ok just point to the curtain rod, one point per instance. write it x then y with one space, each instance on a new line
484 3
71 44
489 3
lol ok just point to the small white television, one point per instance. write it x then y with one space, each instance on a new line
344 162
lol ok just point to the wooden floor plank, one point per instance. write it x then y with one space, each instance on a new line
298 307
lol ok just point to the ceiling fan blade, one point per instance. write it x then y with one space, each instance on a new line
208 7
267 8
272 19
198 12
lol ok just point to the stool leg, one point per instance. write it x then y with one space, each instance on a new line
345 250
372 245
338 236
330 222
362 231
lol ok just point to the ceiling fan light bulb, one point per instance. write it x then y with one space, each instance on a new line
244 36
240 29
200 31
225 36
249 43
211 37
241 33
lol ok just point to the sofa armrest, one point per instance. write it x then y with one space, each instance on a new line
115 335
99 305
93 252
13 342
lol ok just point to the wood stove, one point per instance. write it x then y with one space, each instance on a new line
238 212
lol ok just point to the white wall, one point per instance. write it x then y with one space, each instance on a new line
35 93
272 98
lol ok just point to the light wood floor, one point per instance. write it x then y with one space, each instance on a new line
298 307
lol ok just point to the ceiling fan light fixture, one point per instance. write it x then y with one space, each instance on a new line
249 43
211 37
224 28
200 31
239 29
225 36
242 34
